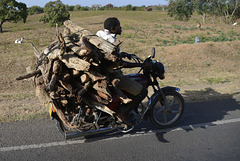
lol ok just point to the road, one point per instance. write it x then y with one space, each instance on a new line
207 131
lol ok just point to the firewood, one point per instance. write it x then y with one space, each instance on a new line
36 52
63 118
93 103
102 44
45 70
109 49
94 75
73 65
101 86
76 49
84 78
66 31
67 86
28 75
55 54
62 43
56 69
72 61
74 28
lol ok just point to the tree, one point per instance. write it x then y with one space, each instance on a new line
96 6
183 9
84 8
202 7
227 10
55 12
129 7
70 7
230 8
77 7
34 10
12 11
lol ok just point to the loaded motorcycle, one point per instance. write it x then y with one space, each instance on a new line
164 107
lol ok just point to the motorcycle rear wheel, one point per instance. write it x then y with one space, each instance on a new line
167 116
61 127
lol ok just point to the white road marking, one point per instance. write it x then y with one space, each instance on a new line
71 142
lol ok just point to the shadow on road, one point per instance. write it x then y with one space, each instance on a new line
205 106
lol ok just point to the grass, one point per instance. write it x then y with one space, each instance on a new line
218 80
215 60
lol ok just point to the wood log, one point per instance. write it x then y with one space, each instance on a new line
66 86
93 103
62 43
51 47
101 86
95 76
45 67
63 118
84 78
74 28
66 31
36 52
72 61
69 43
28 75
108 49
55 54
102 44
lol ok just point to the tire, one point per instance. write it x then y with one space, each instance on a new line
163 117
62 129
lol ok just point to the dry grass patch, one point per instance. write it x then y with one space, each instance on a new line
187 64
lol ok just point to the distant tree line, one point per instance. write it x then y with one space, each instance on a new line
227 10
57 12
36 9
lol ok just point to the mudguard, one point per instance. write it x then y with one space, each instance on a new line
170 88
164 90
158 95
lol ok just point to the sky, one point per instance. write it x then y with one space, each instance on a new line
89 3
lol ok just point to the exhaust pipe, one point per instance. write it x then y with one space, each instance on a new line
75 134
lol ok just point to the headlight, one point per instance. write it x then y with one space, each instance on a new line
159 69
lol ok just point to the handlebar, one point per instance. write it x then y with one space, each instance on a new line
131 57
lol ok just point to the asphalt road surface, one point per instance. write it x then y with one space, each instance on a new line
207 131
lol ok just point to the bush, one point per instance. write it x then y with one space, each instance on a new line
34 10
177 27
55 12
77 7
84 9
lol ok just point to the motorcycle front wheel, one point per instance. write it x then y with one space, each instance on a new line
165 116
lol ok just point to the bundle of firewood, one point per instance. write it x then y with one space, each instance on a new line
69 70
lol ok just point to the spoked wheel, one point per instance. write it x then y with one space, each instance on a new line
166 116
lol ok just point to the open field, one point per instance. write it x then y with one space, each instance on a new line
214 62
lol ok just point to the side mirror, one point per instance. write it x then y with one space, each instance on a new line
153 52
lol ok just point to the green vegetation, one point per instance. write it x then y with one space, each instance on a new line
34 10
12 11
55 12
229 11
214 60
217 80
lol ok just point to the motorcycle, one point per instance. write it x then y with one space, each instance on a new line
164 107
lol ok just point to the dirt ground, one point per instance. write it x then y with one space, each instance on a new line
203 71
186 67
